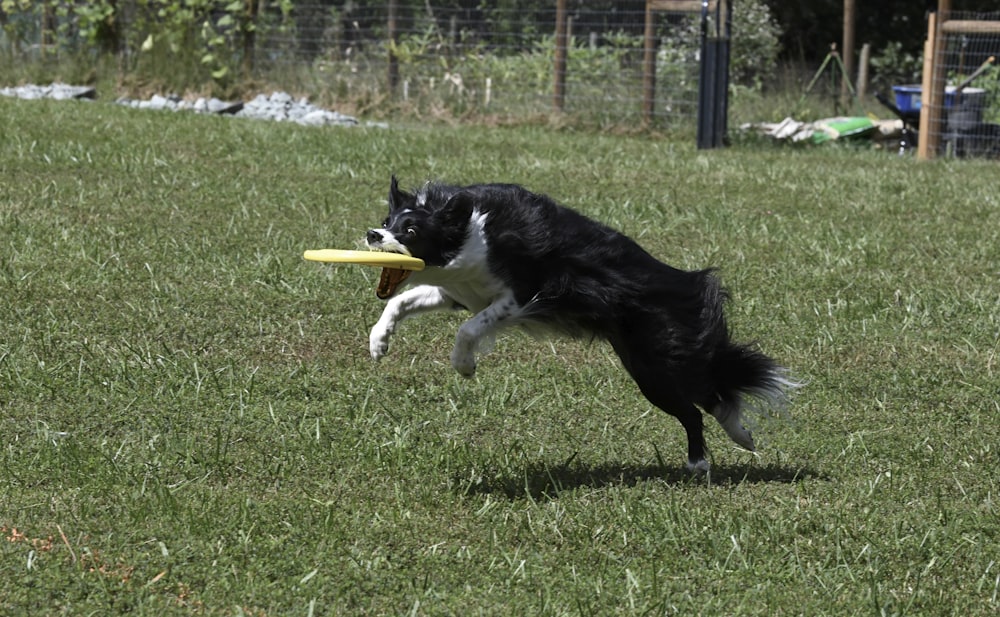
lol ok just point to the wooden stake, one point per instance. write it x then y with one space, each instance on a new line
862 86
392 74
249 34
648 67
932 87
923 148
847 50
559 77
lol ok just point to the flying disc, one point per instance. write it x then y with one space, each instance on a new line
378 259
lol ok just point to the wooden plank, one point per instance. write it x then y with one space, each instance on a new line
932 88
861 87
935 125
959 26
847 51
923 150
678 6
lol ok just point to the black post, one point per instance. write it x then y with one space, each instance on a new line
713 79
706 96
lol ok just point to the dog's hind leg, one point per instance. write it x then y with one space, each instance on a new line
657 385
730 417
481 327
690 418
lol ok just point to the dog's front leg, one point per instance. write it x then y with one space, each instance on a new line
482 326
421 299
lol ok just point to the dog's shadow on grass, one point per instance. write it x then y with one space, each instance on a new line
543 481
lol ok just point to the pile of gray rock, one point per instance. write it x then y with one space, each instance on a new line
282 107
53 91
277 107
176 103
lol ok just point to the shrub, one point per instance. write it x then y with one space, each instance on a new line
755 44
895 66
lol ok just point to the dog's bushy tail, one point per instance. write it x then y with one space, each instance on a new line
746 380
741 370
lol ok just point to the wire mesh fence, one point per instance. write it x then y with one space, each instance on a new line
479 60
458 59
955 110
609 62
968 116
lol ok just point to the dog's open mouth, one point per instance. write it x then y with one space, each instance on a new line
390 281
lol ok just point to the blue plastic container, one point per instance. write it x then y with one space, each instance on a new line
908 97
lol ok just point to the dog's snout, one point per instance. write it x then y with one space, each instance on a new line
374 236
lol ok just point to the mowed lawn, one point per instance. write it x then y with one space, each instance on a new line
191 424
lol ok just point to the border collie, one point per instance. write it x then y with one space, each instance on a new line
513 257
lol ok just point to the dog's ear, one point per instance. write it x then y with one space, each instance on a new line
397 197
457 211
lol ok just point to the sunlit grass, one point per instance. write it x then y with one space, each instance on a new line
191 423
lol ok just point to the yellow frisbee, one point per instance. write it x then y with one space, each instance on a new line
378 259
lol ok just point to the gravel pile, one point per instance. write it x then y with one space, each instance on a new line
176 103
276 107
281 107
53 91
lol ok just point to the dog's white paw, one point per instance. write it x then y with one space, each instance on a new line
699 467
464 363
378 343
731 420
740 435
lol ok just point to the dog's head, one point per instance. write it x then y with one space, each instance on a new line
430 224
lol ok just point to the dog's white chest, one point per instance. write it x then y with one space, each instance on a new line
467 277
472 284
473 296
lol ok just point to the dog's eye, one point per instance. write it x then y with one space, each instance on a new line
411 231
385 223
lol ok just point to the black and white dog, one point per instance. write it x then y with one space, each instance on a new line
513 257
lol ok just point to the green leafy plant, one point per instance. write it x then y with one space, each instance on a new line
990 82
181 42
96 23
755 45
893 65
194 33
26 14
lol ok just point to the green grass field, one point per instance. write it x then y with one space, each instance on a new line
191 424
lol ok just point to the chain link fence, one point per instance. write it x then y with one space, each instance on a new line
454 60
490 61
966 121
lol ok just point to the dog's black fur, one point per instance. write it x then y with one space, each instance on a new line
514 257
